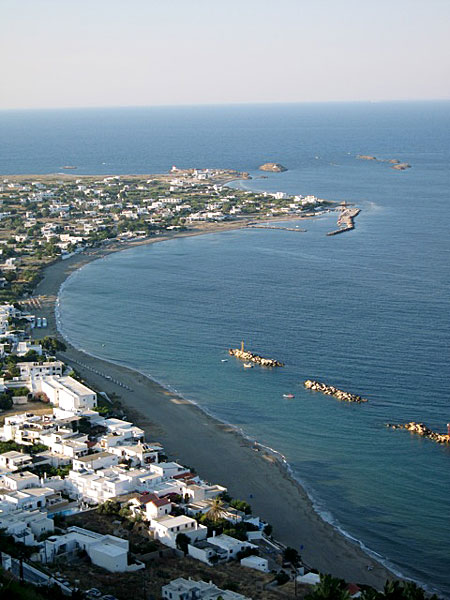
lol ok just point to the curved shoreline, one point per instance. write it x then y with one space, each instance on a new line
335 550
281 461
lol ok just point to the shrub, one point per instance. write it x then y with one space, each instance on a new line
281 578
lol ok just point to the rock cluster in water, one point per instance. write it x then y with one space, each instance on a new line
401 166
249 356
423 430
329 390
272 167
396 164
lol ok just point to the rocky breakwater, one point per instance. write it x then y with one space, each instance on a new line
329 390
251 357
346 220
423 430
272 167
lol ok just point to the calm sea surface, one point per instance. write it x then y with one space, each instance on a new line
368 311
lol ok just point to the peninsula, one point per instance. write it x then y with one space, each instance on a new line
47 217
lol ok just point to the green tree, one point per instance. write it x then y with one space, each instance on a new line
53 344
329 588
217 510
5 401
109 507
397 590
242 506
183 542
291 555
282 577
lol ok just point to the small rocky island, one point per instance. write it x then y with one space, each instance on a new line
250 357
394 162
400 166
329 390
423 430
272 167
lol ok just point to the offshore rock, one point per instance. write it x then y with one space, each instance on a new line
272 167
401 166
329 390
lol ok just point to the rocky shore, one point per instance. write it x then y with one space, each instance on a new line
329 390
249 356
423 430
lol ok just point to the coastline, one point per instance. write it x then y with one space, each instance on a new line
250 471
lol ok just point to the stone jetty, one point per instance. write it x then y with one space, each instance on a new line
251 357
423 430
329 390
346 220
275 227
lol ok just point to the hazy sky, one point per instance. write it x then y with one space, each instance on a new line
61 53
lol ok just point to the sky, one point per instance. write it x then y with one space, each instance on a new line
85 53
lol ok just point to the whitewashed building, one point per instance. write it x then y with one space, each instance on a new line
46 369
67 393
166 529
188 589
106 551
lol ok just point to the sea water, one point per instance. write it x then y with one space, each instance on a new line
367 311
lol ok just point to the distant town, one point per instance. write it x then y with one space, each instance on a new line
53 216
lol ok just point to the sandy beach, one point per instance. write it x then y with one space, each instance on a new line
217 452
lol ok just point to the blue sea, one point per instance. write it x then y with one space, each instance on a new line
367 311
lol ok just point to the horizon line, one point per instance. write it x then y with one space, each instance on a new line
222 104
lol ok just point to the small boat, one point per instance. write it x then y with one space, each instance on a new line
67 167
248 366
224 360
288 396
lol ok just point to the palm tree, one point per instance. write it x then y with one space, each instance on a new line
329 588
216 511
